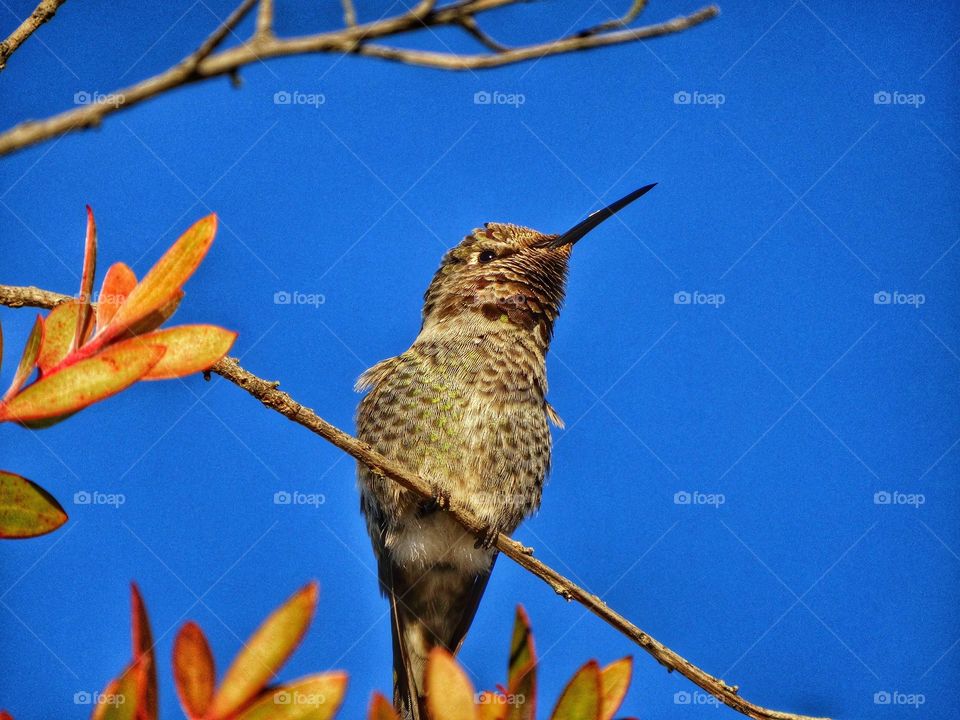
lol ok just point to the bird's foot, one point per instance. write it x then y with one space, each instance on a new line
439 501
487 538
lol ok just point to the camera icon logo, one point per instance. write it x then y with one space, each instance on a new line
682 697
282 497
882 298
882 698
82 498
882 497
682 97
682 497
282 97
282 297
82 697
482 97
82 97
682 298
283 698
882 97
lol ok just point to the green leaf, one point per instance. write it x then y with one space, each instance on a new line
581 698
26 509
614 683
522 670
117 285
449 691
190 349
121 699
165 278
317 697
265 652
193 670
28 360
83 383
59 329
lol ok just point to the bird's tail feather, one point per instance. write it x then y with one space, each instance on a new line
436 609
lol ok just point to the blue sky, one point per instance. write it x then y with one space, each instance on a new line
811 425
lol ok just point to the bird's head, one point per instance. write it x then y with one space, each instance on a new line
508 274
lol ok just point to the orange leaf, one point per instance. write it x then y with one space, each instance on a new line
165 278
581 698
29 358
449 692
26 509
4 715
59 329
614 683
85 313
190 349
380 709
265 652
193 670
117 284
317 697
492 706
84 382
522 670
143 650
151 321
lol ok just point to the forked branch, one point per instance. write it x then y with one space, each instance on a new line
356 38
268 394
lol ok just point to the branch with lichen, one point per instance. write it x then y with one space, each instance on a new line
269 395
364 39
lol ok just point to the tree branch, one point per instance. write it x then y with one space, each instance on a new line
268 394
41 14
349 13
351 39
264 20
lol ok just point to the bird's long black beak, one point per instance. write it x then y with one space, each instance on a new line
582 228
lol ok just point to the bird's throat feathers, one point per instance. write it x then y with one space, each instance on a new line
499 279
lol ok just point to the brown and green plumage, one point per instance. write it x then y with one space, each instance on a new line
465 407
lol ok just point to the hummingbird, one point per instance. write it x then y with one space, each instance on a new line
464 407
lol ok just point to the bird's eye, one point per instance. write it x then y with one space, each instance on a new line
486 256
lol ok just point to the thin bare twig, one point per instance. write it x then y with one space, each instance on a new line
41 14
358 39
264 20
632 14
268 394
474 29
219 35
349 13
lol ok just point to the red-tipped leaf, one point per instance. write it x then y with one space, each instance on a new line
117 285
581 699
522 670
265 652
143 650
449 691
165 278
380 709
28 360
83 383
190 349
317 697
85 311
614 683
